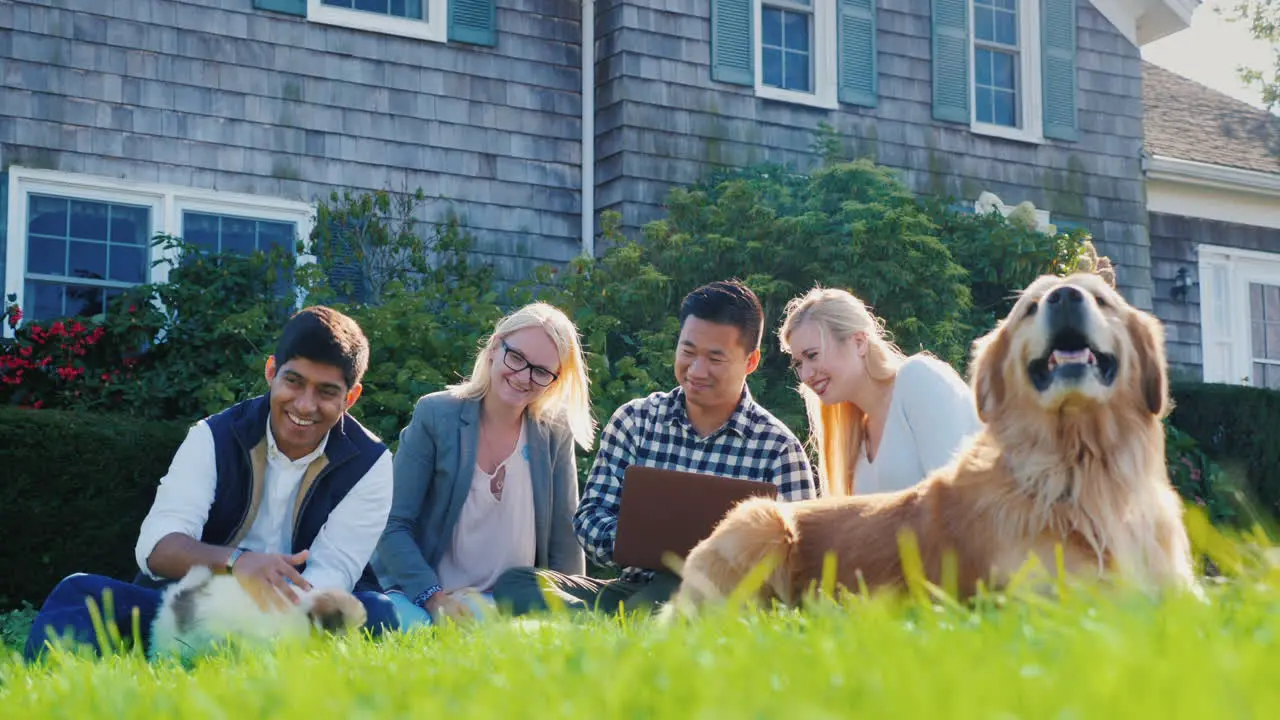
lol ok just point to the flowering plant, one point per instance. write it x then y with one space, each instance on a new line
63 363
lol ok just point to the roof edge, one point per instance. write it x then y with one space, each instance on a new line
1150 20
1222 177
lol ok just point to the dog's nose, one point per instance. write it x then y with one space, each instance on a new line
1065 294
1065 308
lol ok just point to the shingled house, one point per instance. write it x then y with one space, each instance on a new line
224 120
1214 199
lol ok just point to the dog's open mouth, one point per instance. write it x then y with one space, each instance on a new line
1071 359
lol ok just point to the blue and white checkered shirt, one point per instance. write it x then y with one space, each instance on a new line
655 431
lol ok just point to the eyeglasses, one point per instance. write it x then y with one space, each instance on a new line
538 375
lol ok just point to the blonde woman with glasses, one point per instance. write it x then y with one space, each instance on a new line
881 420
485 474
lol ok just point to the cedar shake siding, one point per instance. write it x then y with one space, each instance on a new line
677 97
246 96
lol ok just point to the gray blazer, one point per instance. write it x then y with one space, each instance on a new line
434 465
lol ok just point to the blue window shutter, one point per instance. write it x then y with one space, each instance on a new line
857 40
732 42
290 7
1058 43
951 60
473 22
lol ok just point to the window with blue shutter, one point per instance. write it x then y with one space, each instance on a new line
473 22
1058 62
857 52
732 56
289 7
950 60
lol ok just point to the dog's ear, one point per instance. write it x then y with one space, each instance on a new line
986 371
1147 335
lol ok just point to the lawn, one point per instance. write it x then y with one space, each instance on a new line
1083 654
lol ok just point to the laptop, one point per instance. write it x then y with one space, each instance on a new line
665 511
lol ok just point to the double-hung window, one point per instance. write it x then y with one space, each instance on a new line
421 19
73 241
1005 95
1240 315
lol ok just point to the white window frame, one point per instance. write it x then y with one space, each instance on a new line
1225 322
435 28
1030 93
165 202
822 50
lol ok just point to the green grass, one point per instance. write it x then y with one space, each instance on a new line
1085 654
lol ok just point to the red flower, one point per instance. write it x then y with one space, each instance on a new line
37 404
15 317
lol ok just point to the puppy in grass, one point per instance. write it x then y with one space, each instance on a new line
1072 387
204 610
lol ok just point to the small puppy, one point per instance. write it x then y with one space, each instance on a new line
1072 387
204 609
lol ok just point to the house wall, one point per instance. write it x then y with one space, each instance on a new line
662 121
214 94
1174 240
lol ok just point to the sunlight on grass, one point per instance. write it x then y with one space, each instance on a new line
1085 654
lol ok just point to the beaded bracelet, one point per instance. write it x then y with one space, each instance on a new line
425 595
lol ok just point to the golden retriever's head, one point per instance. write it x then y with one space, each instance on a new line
1071 343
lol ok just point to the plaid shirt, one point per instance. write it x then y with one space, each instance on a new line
655 431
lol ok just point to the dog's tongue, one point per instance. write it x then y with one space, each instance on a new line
1065 357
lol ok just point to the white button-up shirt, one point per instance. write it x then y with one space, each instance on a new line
343 545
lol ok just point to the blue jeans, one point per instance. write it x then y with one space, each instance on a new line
411 615
66 611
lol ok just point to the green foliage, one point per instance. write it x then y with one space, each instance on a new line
14 625
1263 19
426 326
1235 423
77 486
1198 479
920 264
1001 257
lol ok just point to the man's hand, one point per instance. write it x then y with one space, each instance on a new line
266 577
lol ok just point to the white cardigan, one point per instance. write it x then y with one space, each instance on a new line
930 413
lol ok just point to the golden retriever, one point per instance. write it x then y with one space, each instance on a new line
1071 387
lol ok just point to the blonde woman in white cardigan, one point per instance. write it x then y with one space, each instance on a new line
881 420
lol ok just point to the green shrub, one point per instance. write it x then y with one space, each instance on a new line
1198 479
77 486
847 224
1236 424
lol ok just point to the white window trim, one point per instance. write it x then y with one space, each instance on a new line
166 203
435 28
1030 93
825 82
1225 324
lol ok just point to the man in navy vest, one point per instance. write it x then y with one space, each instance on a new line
280 490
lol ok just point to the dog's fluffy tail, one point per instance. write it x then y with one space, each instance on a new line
756 533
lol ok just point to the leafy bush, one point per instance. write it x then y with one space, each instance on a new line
847 224
191 346
77 486
1198 479
1236 423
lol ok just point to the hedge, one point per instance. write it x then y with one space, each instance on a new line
1236 423
76 489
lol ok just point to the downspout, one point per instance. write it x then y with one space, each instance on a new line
588 128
